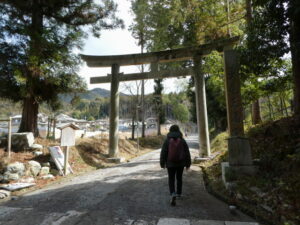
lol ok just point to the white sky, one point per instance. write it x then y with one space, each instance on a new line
118 42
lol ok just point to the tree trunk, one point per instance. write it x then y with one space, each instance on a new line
143 92
281 104
132 129
270 108
158 124
285 107
256 118
295 52
29 116
248 11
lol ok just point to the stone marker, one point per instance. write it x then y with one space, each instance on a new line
20 141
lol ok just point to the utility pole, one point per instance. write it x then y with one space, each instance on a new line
137 128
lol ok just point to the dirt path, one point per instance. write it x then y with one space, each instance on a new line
132 193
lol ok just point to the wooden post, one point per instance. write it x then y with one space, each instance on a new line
9 137
114 112
54 125
66 160
202 122
48 128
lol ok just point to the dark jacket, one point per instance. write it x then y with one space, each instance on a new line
164 152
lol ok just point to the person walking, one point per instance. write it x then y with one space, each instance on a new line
175 155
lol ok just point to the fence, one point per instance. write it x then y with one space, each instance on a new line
8 135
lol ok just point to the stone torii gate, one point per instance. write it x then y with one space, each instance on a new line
196 53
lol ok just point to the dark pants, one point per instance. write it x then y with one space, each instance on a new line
172 172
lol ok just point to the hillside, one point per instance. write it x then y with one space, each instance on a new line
272 195
89 95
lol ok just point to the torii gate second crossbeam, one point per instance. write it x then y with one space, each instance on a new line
196 53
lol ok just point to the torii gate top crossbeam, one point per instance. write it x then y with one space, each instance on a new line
157 57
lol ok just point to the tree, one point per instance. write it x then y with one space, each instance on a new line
274 22
139 31
158 104
37 39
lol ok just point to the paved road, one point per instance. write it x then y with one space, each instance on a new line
134 193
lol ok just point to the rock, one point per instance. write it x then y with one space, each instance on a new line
20 141
47 164
48 176
14 198
267 208
16 167
38 153
55 172
297 150
34 167
11 176
198 160
4 194
239 196
257 191
36 147
16 186
231 186
27 180
256 162
116 160
232 209
44 171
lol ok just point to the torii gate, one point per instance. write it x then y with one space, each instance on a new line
196 53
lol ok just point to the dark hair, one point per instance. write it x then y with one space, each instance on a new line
174 128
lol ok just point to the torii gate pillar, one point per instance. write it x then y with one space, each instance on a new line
202 122
114 112
239 150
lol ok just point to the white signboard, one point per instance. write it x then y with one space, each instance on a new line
59 157
67 137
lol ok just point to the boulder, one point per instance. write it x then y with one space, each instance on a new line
34 167
38 153
16 167
48 176
46 164
20 141
27 180
55 172
11 176
44 171
36 147
4 194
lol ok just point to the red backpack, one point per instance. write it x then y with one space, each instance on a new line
176 150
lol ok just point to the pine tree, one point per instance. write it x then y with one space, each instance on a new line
37 42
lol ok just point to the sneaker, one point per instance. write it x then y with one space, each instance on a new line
173 200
